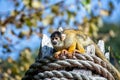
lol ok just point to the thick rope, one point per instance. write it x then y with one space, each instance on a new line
92 58
62 75
85 61
78 63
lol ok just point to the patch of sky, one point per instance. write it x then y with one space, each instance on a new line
46 12
20 6
80 14
6 5
72 8
69 2
105 4
95 8
114 18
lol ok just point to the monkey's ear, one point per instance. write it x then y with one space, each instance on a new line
60 29
63 37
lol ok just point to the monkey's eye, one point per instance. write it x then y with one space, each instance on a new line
56 38
52 38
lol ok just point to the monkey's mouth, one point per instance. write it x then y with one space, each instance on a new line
54 43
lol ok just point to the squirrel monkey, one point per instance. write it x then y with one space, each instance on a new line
69 40
72 40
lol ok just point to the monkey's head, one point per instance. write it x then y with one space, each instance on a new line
57 39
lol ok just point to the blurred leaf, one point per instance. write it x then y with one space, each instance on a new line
27 2
85 2
17 77
28 22
55 9
13 13
46 21
51 29
100 22
36 4
93 29
104 12
112 33
9 60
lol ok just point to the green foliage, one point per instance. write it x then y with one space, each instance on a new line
15 70
110 34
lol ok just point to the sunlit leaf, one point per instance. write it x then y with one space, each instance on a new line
13 13
10 60
46 21
34 22
85 2
112 33
104 12
100 22
36 4
51 29
17 77
9 71
93 29
26 2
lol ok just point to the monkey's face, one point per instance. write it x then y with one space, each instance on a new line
56 39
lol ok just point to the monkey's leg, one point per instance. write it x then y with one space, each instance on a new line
71 49
80 48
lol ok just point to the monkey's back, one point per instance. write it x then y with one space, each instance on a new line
78 36
70 37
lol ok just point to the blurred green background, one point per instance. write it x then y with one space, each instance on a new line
23 21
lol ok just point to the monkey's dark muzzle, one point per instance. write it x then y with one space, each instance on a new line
54 42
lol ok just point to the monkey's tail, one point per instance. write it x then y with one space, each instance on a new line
113 70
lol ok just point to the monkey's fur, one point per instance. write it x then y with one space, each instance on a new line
77 40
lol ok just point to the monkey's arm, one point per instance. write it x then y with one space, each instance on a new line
75 46
71 49
69 52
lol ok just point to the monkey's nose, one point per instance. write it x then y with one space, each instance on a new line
54 43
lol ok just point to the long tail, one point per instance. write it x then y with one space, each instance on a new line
113 70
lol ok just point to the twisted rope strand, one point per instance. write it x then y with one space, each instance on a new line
62 75
81 64
83 61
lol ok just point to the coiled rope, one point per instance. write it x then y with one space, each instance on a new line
49 68
62 75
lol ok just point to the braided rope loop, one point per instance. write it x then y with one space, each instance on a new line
62 69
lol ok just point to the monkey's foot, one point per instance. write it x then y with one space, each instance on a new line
65 53
56 55
60 54
70 55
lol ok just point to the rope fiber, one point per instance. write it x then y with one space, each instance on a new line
50 68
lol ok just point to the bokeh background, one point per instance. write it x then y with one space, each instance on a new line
22 22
